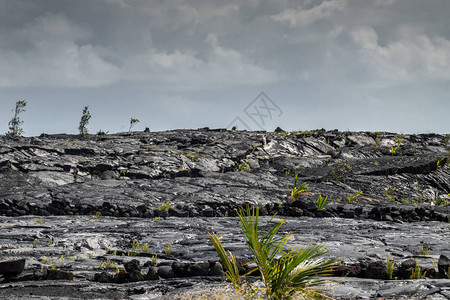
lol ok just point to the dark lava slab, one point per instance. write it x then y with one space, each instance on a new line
78 244
52 186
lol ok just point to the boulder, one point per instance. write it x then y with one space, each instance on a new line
12 267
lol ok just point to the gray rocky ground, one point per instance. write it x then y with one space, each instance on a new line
71 208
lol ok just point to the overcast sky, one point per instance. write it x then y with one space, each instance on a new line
379 65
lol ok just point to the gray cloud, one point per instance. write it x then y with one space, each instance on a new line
331 56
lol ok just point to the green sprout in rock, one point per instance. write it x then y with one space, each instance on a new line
40 221
441 162
354 197
154 261
388 192
168 249
194 155
109 264
284 274
134 249
243 167
132 123
340 170
34 244
321 202
45 260
398 140
377 140
424 250
417 272
157 218
97 216
145 248
15 131
297 190
390 265
165 206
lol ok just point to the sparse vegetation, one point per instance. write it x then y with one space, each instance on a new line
132 123
389 193
82 128
134 249
97 216
15 129
297 190
193 156
34 244
321 202
390 266
417 272
340 170
398 140
354 197
283 273
424 250
45 260
243 167
108 264
165 206
38 221
154 261
441 162
145 248
168 249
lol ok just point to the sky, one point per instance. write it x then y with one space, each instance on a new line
360 65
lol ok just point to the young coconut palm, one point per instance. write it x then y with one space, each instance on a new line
283 273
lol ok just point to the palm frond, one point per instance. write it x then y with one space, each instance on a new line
229 262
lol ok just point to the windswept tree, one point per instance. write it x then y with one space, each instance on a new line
132 123
15 129
84 121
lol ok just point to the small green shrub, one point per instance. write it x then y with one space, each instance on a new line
84 121
388 192
390 265
283 273
154 261
193 156
34 244
321 202
40 221
45 260
15 129
165 206
340 171
243 167
424 250
354 197
134 249
417 272
297 190
145 248
132 123
441 162
108 264
168 249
